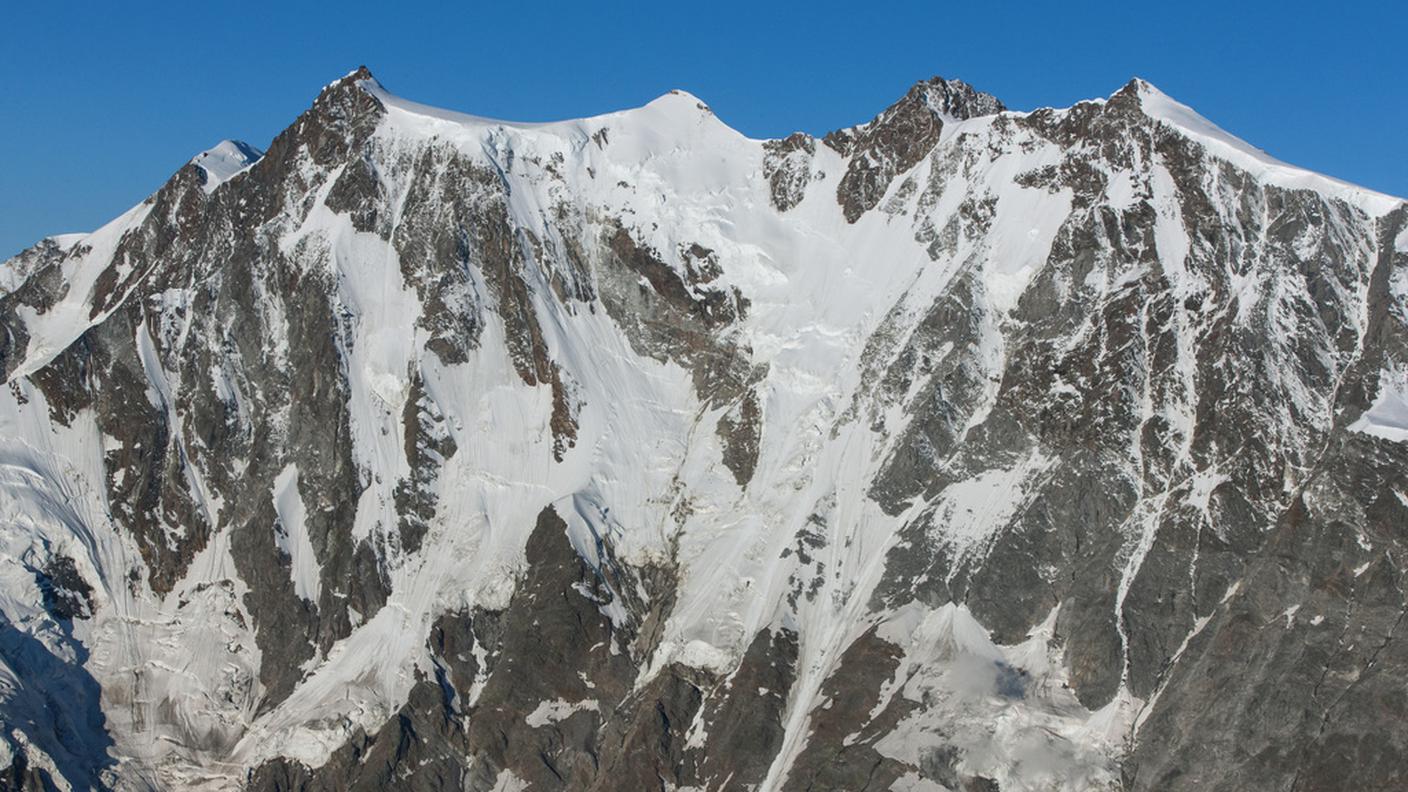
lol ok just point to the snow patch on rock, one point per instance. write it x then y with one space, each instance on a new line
1387 417
291 535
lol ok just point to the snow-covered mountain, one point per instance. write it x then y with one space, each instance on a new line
963 449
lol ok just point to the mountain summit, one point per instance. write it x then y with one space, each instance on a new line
963 449
226 159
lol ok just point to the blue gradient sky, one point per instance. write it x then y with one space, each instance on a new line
101 102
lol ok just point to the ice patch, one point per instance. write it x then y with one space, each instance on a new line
1026 729
1121 192
1024 228
292 535
506 781
973 510
558 710
700 654
1387 417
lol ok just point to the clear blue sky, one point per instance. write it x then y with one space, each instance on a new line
102 101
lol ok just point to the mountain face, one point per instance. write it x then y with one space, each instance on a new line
964 449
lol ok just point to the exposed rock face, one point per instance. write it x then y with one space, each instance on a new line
967 450
897 139
788 168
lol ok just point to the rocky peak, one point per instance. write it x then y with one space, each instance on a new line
927 103
350 100
338 124
344 107
356 76
953 99
898 138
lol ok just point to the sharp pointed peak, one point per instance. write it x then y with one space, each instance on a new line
955 98
357 75
358 81
1143 97
1138 90
947 99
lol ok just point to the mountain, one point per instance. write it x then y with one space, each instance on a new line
962 449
